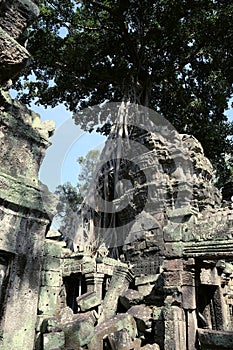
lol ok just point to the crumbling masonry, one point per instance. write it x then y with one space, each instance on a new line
171 286
24 220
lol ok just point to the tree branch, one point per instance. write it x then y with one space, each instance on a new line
87 28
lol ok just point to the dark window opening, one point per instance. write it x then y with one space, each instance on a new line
106 283
75 286
106 344
209 307
5 265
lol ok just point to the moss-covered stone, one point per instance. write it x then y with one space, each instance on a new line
78 333
52 341
88 301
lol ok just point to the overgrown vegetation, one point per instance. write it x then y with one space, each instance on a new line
174 56
70 197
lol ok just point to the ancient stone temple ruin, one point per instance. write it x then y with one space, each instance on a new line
154 273
24 220
170 286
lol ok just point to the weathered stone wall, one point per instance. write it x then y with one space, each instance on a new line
24 218
172 285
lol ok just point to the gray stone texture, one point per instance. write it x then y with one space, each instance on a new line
25 211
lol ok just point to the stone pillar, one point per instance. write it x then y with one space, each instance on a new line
99 279
191 319
94 282
175 328
173 314
189 301
90 282
121 278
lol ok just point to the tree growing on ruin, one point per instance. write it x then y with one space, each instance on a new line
88 164
174 56
71 197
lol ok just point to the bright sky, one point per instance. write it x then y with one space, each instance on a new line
68 143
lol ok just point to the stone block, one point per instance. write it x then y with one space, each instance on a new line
13 53
89 267
145 284
173 250
142 280
142 315
88 301
66 315
173 313
48 300
173 233
51 278
71 266
211 339
53 341
210 277
112 325
51 263
78 332
188 278
173 278
52 325
191 322
121 340
173 265
52 248
188 297
175 328
145 289
130 297
181 212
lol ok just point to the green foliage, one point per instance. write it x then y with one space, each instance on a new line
69 200
70 197
173 56
88 164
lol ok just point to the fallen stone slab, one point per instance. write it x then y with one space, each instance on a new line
121 340
130 297
211 339
88 301
53 341
143 316
111 326
79 331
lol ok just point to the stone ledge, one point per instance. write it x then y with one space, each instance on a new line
211 339
210 249
26 194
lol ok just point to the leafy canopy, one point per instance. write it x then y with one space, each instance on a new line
71 197
174 56
88 164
